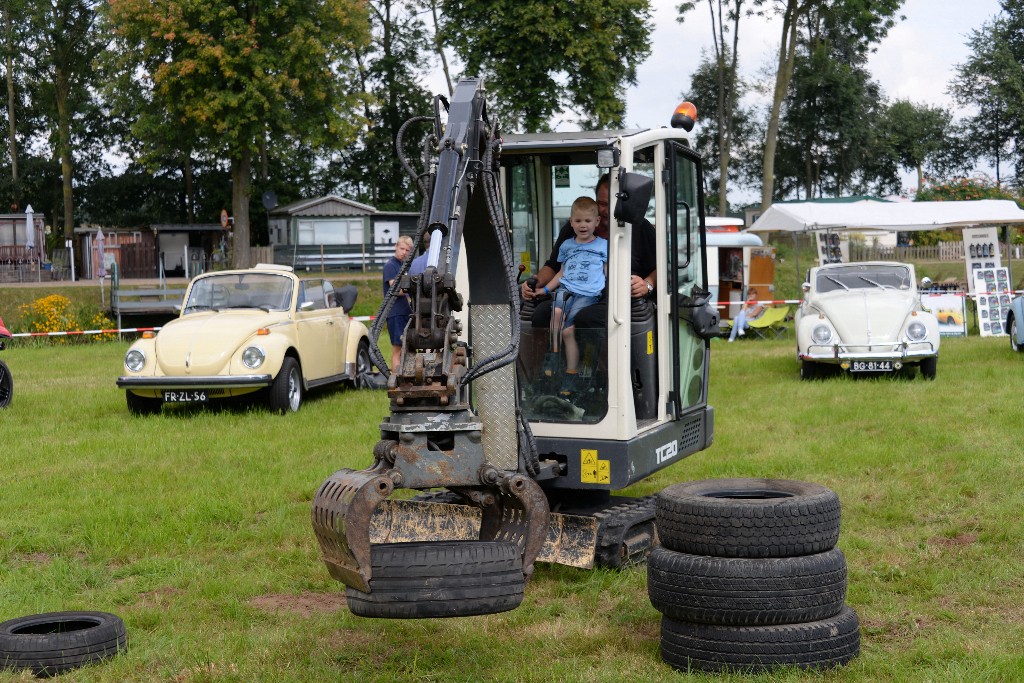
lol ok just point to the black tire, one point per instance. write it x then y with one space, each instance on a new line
808 370
746 591
822 644
286 391
6 385
364 367
1014 346
748 518
142 405
929 366
50 644
441 579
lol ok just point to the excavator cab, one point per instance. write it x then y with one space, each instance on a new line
500 466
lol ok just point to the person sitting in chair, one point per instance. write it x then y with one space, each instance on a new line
752 310
577 284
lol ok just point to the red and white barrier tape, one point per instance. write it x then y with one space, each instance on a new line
78 333
773 302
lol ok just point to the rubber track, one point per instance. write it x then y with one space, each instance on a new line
820 644
746 591
696 518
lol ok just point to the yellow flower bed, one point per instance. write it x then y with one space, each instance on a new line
54 313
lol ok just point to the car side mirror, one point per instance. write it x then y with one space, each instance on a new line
634 196
806 287
346 297
926 283
306 306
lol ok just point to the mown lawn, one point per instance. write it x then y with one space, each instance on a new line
194 527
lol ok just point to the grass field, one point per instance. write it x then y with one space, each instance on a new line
194 527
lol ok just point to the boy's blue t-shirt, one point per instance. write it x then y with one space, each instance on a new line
583 266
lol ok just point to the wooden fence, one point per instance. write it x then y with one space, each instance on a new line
944 251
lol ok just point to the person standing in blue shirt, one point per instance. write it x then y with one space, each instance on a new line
398 316
578 283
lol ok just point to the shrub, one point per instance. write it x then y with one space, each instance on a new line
55 313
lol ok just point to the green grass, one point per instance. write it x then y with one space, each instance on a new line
194 527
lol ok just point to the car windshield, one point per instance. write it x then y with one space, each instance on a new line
265 291
881 277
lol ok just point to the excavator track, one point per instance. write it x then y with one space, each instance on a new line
620 534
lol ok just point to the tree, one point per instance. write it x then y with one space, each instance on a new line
742 140
11 12
728 89
390 70
545 59
864 23
63 69
914 135
828 121
239 73
992 79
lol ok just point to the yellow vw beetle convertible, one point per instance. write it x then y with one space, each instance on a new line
243 331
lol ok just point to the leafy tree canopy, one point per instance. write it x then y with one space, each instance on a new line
541 59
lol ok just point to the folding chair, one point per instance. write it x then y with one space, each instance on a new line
771 323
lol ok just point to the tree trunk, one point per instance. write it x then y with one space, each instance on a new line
190 192
241 188
440 49
62 89
787 56
11 117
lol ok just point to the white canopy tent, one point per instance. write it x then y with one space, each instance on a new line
901 216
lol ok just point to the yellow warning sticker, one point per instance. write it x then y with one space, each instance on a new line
593 470
524 259
650 342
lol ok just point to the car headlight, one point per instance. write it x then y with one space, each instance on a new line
821 334
135 360
253 357
916 331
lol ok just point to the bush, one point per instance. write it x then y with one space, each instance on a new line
55 313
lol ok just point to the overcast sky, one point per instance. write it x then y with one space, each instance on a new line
914 62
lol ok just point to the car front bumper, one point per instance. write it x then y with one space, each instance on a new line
839 354
201 382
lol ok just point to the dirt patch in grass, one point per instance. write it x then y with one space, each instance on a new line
305 604
956 541
160 597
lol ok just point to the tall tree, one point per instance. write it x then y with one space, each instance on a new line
992 79
12 37
705 86
828 124
63 65
914 135
236 72
391 68
865 21
545 59
725 21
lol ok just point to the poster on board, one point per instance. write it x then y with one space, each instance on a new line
992 291
831 248
949 310
981 252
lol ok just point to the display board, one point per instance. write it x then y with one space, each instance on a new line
981 252
992 292
949 309
831 248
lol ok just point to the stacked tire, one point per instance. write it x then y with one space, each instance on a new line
748 577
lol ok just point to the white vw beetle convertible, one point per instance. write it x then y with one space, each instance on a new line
243 331
865 318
